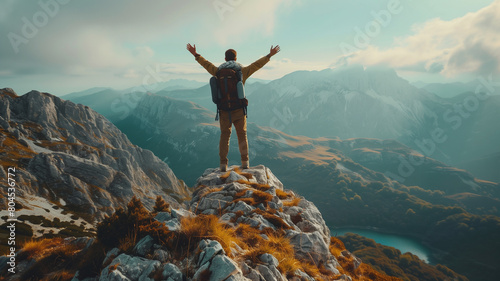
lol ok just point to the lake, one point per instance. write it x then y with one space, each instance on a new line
402 243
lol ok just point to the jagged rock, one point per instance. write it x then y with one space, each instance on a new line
237 277
310 246
235 177
181 213
16 133
143 247
111 255
264 175
222 267
125 267
71 139
241 206
163 216
5 107
251 273
201 271
171 273
227 218
270 273
173 224
161 255
87 241
23 142
210 249
4 123
209 203
355 260
269 259
302 276
311 213
210 178
256 221
82 157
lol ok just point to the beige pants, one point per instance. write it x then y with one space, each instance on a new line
239 120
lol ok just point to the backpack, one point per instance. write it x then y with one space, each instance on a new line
227 89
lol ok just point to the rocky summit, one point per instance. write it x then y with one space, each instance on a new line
239 225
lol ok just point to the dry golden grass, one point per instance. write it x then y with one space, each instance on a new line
258 186
225 176
194 229
39 248
248 235
275 220
249 201
293 202
277 245
257 197
207 191
55 259
283 194
128 242
246 175
12 95
13 150
261 197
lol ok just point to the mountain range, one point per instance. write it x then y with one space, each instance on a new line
388 183
105 209
352 179
357 102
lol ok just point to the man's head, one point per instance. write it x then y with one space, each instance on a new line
230 55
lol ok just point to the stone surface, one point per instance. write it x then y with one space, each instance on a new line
143 247
125 267
172 273
209 250
269 259
222 267
163 216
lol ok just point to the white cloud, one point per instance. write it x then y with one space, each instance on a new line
468 44
99 36
237 18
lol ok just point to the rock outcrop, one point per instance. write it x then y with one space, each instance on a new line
74 158
239 225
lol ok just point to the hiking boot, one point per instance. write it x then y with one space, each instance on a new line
245 164
223 167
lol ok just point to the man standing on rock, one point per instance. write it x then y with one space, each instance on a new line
236 115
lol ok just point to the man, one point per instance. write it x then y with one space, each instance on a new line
237 116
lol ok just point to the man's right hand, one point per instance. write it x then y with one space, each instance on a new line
192 49
274 51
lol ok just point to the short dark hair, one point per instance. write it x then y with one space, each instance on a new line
230 54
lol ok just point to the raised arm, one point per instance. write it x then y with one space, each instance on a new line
258 64
210 67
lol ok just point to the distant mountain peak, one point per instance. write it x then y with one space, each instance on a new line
69 153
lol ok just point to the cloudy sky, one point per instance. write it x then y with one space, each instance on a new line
63 46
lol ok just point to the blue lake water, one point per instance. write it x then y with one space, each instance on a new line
402 243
